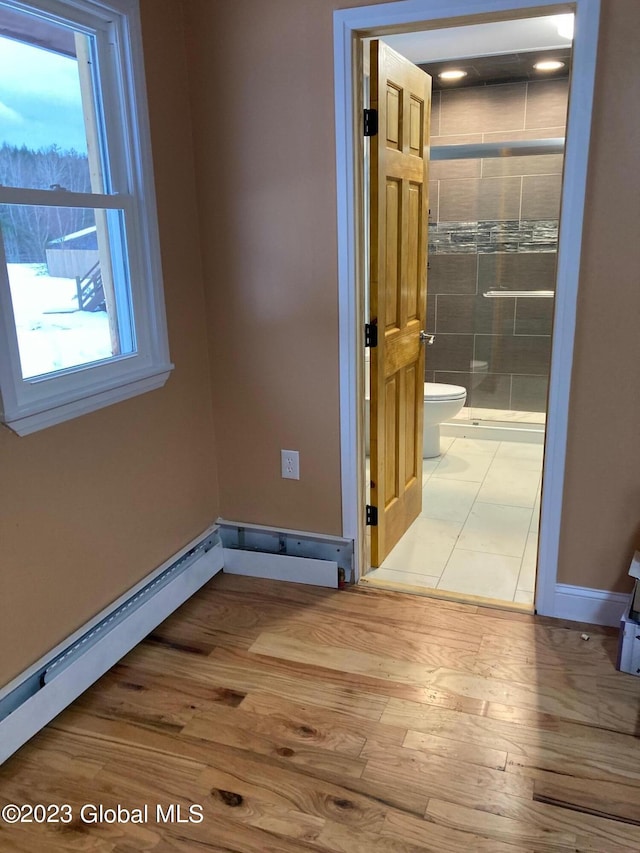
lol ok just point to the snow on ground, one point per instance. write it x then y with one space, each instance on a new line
54 341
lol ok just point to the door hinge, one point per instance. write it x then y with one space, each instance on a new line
370 122
372 516
371 334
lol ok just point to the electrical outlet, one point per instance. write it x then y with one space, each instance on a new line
290 460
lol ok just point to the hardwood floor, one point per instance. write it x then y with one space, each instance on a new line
356 721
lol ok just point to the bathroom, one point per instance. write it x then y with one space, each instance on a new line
494 200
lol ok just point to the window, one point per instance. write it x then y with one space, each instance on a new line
82 320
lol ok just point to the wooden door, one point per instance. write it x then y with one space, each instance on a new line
401 94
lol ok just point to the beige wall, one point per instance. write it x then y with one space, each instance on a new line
89 507
265 156
262 98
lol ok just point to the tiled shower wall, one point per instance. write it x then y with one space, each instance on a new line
493 225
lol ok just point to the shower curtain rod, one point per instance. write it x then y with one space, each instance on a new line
521 148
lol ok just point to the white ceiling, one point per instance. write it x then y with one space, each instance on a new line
479 40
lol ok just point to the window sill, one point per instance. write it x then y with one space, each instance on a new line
57 413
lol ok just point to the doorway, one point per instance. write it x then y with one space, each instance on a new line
496 149
414 15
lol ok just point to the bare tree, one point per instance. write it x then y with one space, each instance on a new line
27 229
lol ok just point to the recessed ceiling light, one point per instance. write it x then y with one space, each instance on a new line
549 65
452 74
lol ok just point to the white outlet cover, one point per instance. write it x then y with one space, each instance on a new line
290 464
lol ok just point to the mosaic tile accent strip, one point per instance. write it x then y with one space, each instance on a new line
454 238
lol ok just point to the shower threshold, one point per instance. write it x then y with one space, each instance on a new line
499 425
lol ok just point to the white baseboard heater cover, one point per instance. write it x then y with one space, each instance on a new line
279 567
51 687
285 555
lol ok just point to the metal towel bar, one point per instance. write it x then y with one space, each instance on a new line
519 294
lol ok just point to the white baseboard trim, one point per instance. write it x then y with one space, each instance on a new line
582 604
67 679
280 567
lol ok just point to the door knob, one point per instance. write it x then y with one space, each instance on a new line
425 336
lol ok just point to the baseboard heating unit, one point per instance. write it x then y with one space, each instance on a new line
286 555
33 699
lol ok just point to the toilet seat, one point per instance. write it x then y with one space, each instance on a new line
437 391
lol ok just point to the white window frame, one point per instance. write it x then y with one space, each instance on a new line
31 404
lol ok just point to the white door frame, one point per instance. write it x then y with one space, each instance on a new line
350 25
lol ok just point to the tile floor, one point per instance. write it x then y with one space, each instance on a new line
478 530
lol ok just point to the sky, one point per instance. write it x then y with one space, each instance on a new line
40 101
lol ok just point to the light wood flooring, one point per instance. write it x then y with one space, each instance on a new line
356 721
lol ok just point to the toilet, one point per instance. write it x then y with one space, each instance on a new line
441 403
